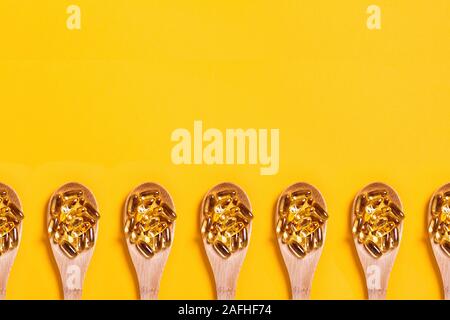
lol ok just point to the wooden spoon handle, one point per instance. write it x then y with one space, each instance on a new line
226 293
72 294
147 293
376 294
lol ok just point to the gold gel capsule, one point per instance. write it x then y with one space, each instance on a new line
222 249
68 249
144 249
373 249
72 193
377 193
144 195
226 193
297 249
301 193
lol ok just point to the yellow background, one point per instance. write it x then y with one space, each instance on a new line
98 105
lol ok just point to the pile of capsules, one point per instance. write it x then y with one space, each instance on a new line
376 222
225 222
300 222
439 227
148 223
10 218
72 222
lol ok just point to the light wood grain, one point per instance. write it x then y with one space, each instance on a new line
442 259
301 270
226 271
73 271
7 259
377 271
149 271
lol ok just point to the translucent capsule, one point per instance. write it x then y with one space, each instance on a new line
222 249
373 249
68 249
245 211
301 193
320 211
446 247
144 195
144 249
168 213
15 211
377 193
92 211
55 205
6 228
226 194
72 194
297 249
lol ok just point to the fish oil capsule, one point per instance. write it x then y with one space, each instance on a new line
168 212
68 249
225 194
144 195
300 222
222 249
225 222
72 194
297 249
373 249
377 193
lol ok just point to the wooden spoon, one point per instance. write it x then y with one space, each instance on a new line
7 259
301 270
442 259
73 271
149 270
226 271
377 270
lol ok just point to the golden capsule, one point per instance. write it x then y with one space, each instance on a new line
144 249
225 194
72 193
297 249
221 249
52 226
446 247
357 225
395 237
360 204
16 211
245 211
129 225
432 228
6 228
322 213
301 193
55 205
166 237
68 249
396 211
92 211
132 204
90 238
210 203
206 225
168 213
436 204
144 195
318 238
377 193
281 225
373 249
